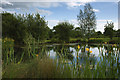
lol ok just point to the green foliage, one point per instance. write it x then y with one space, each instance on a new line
29 42
118 33
77 33
107 67
98 34
37 26
18 26
96 40
87 20
13 27
50 33
108 30
63 31
8 51
37 68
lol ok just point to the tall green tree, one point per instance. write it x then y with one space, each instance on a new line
37 26
108 30
63 31
13 27
87 20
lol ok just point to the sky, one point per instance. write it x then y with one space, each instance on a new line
56 11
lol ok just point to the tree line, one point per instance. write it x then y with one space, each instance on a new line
21 27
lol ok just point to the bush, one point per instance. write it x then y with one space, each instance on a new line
95 40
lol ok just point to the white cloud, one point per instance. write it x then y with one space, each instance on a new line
101 24
99 27
85 1
77 3
95 10
25 7
31 5
12 12
52 23
74 22
52 0
1 10
63 0
115 26
43 4
6 2
43 12
74 4
104 20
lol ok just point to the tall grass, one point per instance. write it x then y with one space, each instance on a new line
44 67
47 68
8 50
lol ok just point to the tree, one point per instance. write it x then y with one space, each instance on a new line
13 27
118 33
87 20
76 32
99 34
63 31
108 30
19 26
50 33
37 26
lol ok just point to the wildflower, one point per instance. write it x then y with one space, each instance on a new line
90 51
105 42
12 40
77 56
114 44
37 55
87 49
78 46
109 51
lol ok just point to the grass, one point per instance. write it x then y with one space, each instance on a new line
44 67
36 68
48 68
91 40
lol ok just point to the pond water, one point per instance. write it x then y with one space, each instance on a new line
69 52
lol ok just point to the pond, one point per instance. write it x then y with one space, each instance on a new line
85 60
70 52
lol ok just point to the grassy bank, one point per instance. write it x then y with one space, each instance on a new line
91 40
48 68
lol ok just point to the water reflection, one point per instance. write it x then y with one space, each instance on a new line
69 52
106 56
63 51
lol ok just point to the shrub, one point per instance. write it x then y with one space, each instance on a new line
95 40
